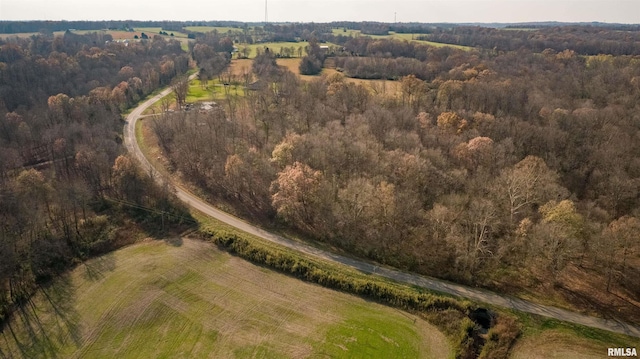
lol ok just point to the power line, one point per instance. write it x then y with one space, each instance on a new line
152 210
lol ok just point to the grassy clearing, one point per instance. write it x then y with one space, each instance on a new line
558 345
185 298
275 47
212 92
199 93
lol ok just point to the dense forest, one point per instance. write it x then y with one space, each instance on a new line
514 170
67 189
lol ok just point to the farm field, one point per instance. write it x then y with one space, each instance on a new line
558 345
275 47
185 298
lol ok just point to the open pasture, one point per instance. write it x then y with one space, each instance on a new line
214 90
185 298
558 345
275 47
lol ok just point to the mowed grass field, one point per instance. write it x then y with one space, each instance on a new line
544 338
557 345
213 91
186 299
275 47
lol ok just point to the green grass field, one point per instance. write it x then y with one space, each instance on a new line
275 46
213 91
558 345
544 338
185 298
199 93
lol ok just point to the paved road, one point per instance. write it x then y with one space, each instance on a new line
474 294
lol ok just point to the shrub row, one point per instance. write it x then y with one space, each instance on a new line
312 272
466 332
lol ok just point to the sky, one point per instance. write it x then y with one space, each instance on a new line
430 11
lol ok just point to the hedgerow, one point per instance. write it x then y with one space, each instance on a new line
462 331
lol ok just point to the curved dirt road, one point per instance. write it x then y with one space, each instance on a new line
474 294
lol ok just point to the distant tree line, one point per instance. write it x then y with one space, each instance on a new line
12 27
368 58
584 40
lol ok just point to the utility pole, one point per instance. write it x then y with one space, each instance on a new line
266 14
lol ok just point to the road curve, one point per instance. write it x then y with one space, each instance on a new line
474 294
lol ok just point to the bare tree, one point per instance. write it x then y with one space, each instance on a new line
527 184
180 87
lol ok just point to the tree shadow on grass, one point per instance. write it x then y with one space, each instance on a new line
175 241
95 269
44 324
